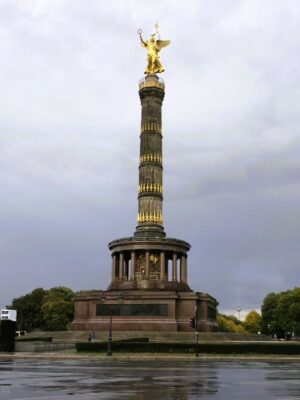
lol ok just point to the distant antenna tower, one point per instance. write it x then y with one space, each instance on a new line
239 309
239 312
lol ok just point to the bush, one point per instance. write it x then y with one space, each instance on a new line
135 340
136 347
34 339
190 348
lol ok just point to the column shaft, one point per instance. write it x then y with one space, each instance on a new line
150 188
121 266
183 269
147 265
113 268
126 269
132 269
162 266
174 268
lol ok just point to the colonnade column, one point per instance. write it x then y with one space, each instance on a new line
147 265
183 269
162 265
121 266
126 269
174 267
132 269
113 268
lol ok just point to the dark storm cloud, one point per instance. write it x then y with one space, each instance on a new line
69 123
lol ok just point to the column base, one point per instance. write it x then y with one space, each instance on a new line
149 285
150 231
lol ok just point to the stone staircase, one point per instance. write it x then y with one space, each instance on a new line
78 336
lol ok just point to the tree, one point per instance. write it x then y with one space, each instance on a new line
267 312
29 314
58 309
229 323
44 309
287 312
252 322
281 312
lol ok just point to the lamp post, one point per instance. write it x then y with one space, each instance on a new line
109 352
196 326
114 311
102 301
193 324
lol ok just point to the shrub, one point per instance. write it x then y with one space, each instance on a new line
190 348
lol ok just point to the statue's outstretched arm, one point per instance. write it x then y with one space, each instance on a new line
143 43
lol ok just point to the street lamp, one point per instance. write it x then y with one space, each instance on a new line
193 324
102 301
196 320
109 343
109 352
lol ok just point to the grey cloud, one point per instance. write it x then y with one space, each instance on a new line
69 126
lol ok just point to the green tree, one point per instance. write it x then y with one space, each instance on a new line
281 312
252 322
44 309
229 323
268 324
58 309
29 314
287 312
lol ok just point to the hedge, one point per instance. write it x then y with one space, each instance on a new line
135 340
34 339
7 347
290 348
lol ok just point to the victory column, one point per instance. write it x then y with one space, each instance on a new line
149 288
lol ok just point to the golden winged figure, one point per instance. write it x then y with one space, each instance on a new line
153 46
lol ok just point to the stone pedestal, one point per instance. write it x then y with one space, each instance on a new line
143 310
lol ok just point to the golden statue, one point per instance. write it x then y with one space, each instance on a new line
153 46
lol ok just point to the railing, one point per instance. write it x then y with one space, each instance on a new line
156 81
38 347
139 277
158 78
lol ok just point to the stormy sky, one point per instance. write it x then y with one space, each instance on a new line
69 141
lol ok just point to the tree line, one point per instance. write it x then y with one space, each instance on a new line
53 310
49 310
280 316
281 313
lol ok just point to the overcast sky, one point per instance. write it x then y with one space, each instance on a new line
69 141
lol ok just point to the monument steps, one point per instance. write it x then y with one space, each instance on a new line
77 336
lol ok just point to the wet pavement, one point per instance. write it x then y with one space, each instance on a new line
98 379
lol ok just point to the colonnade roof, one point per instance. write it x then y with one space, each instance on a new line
148 242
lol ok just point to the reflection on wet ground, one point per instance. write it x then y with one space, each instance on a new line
80 379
